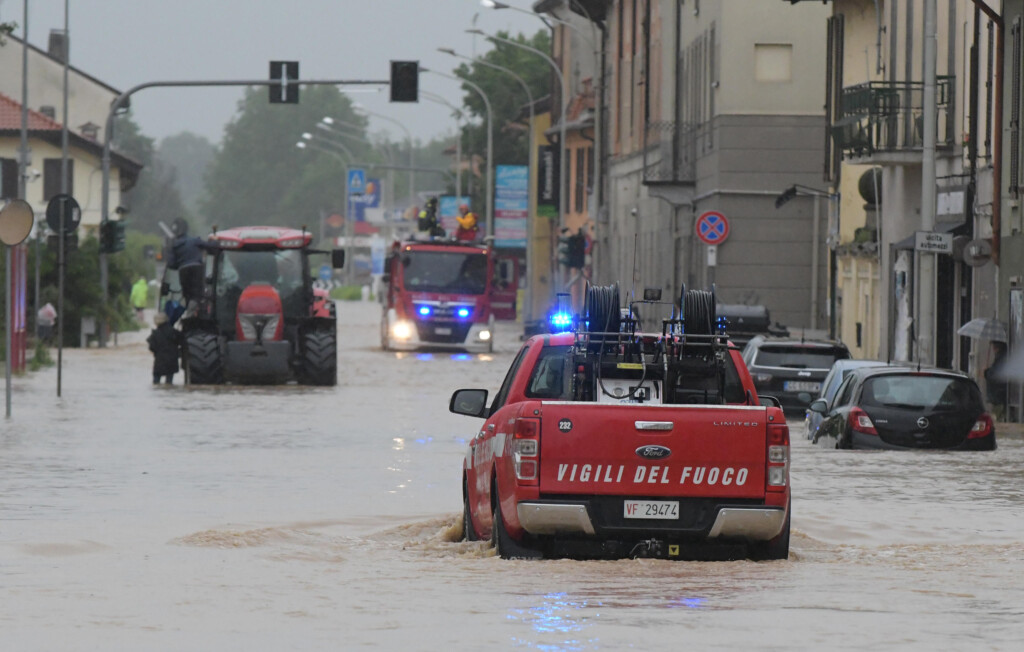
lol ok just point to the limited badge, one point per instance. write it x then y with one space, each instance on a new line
565 425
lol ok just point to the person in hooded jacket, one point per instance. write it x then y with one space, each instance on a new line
186 256
165 343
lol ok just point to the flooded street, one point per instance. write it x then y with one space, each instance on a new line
298 518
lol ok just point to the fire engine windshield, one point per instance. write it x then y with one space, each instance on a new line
440 271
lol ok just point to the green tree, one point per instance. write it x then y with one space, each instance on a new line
508 102
188 155
155 197
258 175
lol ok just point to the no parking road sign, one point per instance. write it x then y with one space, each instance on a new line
712 228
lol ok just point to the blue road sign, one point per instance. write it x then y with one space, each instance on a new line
712 228
356 181
325 272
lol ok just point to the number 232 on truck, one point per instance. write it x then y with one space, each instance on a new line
627 444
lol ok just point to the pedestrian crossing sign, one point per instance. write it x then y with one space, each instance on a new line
356 182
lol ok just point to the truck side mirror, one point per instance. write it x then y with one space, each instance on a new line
337 258
471 402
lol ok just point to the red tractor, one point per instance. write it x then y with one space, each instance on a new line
260 320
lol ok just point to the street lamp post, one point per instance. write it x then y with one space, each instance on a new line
490 144
408 136
528 317
434 97
563 198
785 196
326 124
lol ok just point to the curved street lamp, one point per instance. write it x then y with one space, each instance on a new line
529 164
459 118
490 144
408 136
562 195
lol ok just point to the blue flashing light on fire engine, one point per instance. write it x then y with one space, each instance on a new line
561 322
463 312
424 311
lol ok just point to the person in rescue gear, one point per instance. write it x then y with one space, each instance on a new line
426 221
140 297
468 228
186 256
165 342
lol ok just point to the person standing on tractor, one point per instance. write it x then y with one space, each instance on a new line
468 228
186 256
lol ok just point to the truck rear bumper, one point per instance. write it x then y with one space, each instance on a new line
749 523
754 524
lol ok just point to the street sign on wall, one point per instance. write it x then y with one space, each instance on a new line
712 228
938 243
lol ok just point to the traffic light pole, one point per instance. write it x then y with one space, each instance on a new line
115 108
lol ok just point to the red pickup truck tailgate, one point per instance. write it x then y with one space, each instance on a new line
631 450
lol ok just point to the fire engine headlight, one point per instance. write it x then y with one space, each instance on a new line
402 330
485 335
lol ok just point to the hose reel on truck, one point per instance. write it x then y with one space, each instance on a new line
612 360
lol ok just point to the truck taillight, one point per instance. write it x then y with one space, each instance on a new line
777 467
525 447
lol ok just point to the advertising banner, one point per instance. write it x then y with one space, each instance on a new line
369 199
511 205
547 181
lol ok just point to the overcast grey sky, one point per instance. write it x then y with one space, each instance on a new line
128 42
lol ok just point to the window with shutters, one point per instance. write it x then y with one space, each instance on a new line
8 178
51 177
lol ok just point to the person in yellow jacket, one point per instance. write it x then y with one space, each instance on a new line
468 228
139 297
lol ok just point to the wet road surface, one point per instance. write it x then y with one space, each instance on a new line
293 518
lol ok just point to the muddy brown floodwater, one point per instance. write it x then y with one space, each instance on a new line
289 518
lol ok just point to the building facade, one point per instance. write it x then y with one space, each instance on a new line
712 107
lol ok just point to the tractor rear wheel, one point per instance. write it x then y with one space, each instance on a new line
203 363
319 364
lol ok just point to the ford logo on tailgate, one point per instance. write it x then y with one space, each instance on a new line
653 452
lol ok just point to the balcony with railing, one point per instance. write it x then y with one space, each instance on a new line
883 121
670 152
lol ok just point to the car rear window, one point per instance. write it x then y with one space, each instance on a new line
549 378
913 391
798 357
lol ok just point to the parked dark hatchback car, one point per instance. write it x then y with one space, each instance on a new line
791 369
901 408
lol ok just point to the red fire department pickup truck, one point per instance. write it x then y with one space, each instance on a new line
611 442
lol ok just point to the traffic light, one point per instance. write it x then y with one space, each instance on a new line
111 237
578 251
572 250
565 250
405 81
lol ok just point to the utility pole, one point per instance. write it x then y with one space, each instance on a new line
925 321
